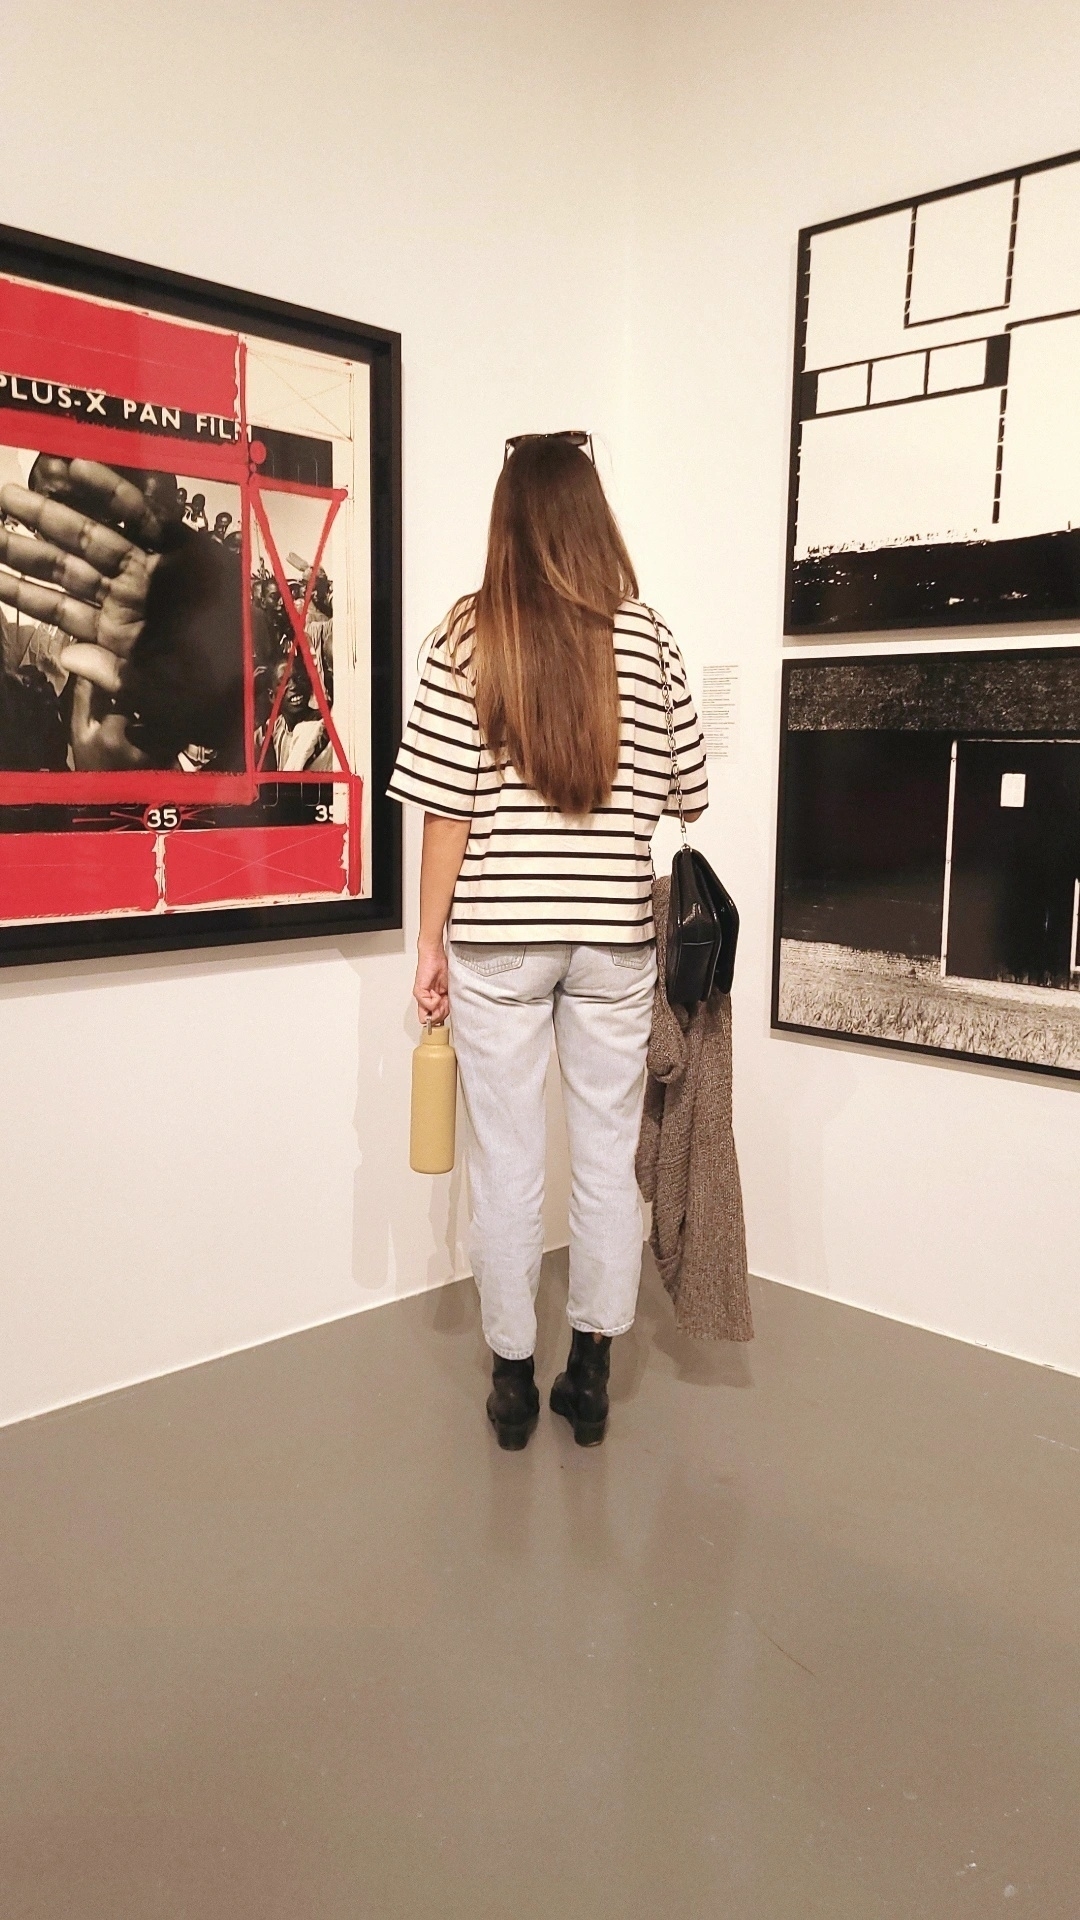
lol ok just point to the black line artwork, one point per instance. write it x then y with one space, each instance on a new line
928 854
935 474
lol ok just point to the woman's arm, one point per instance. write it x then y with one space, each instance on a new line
440 864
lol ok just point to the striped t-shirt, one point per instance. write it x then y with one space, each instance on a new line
529 873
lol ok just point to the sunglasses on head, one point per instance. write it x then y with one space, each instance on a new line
572 436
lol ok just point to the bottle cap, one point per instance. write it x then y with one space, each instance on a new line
440 1035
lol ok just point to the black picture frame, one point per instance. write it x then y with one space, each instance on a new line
82 270
1046 735
1049 574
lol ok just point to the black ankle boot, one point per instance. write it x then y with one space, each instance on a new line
513 1403
580 1394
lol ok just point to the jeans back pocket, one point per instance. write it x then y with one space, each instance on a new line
481 957
632 956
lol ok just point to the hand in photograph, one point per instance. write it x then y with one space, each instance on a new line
151 608
99 735
77 572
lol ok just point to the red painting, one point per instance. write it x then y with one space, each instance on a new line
197 604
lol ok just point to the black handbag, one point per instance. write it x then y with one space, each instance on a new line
703 920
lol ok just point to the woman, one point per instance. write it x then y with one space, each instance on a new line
538 748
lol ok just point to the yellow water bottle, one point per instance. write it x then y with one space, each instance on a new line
434 1102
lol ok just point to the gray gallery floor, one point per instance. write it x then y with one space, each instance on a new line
287 1636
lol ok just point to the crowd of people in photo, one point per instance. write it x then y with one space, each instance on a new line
296 740
224 531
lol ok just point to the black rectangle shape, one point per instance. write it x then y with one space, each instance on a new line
808 402
997 359
865 819
296 457
956 584
1015 867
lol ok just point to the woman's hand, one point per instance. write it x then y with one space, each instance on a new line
444 850
431 988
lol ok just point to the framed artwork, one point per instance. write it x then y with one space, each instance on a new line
936 411
928 862
199 611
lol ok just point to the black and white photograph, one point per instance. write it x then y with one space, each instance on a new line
183 537
91 677
928 862
936 410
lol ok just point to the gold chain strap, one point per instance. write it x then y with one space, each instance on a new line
669 711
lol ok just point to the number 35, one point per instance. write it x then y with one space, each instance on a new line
163 816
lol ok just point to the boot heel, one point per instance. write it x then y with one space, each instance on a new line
580 1394
513 1436
513 1405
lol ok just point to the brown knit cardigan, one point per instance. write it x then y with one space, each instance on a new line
686 1163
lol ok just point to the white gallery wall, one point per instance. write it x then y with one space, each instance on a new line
576 214
198 1152
933 1191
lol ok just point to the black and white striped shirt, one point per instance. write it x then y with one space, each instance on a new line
529 873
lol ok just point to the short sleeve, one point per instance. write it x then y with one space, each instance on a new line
689 741
439 757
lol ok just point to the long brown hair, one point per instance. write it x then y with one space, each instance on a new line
547 695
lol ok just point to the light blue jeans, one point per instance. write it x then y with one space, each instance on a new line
507 1004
